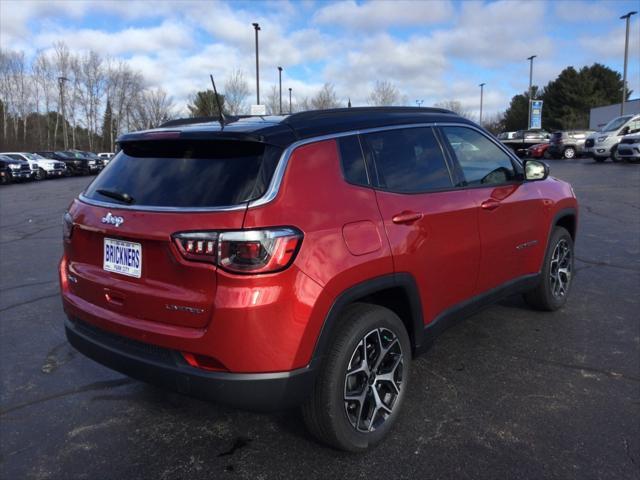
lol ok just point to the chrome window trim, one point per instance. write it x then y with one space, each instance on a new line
283 162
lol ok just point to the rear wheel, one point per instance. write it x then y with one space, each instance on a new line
359 391
569 153
557 273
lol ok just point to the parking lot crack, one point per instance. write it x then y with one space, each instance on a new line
585 368
597 263
27 302
86 388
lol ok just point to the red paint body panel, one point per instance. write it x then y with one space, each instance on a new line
441 249
453 248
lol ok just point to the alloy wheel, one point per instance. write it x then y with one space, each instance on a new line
560 269
373 381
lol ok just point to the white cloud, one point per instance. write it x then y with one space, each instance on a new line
168 35
384 13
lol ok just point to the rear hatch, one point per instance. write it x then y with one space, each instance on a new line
122 249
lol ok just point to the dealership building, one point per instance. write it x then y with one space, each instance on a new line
600 116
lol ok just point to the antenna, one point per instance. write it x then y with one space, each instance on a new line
223 120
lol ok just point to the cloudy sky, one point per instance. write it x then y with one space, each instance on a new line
431 50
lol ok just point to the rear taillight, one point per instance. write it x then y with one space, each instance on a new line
67 227
243 251
199 246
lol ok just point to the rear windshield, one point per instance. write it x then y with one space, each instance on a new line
186 173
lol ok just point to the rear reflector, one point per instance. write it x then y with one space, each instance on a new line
203 362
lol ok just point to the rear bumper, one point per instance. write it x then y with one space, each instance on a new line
166 368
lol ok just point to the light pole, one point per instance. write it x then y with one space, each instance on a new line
626 53
290 100
481 93
280 81
256 27
530 87
61 81
419 102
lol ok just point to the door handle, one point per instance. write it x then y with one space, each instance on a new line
490 204
406 217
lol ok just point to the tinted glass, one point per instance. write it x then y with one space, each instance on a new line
408 160
481 161
352 160
188 174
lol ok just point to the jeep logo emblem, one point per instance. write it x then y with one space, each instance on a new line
112 219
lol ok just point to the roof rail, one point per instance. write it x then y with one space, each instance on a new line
360 110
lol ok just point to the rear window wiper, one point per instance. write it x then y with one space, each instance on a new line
123 197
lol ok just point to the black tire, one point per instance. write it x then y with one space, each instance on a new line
40 174
549 294
614 154
325 411
569 153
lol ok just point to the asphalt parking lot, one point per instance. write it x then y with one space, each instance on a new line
509 393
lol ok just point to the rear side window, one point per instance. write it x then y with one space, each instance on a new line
408 160
481 161
187 173
353 166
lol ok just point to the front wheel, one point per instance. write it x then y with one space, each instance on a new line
557 273
41 174
359 391
569 153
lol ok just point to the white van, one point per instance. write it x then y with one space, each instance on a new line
603 144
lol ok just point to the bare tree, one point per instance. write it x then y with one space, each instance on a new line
384 93
62 60
325 98
272 101
456 107
152 108
236 91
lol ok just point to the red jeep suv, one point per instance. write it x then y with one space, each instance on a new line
270 262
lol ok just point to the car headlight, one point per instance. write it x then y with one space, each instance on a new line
602 139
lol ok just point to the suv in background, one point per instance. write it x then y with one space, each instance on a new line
567 144
41 167
604 143
306 259
12 169
629 148
76 165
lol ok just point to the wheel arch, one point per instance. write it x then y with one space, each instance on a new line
397 292
568 219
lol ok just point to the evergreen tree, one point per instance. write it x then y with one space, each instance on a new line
108 133
203 104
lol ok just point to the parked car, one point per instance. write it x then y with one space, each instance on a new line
76 165
106 157
567 144
305 259
603 144
524 139
95 163
629 148
537 151
12 170
41 167
507 135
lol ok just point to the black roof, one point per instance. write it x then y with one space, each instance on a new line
283 130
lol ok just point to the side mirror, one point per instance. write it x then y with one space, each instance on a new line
624 131
534 170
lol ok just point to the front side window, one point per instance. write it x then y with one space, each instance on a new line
408 160
481 161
